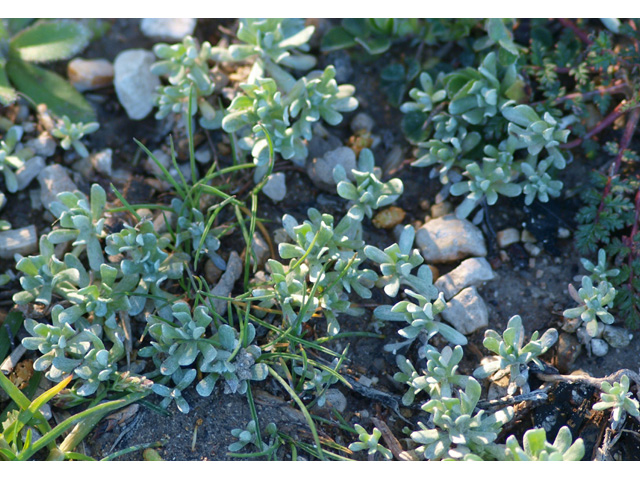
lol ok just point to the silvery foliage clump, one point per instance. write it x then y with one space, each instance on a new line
71 133
74 348
182 343
10 159
317 381
87 304
369 193
594 302
281 40
396 263
599 272
81 221
454 430
191 229
248 435
286 109
512 355
536 447
370 443
439 378
275 100
324 255
618 398
420 314
186 67
468 105
146 259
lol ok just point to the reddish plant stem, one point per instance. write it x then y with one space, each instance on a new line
604 123
580 33
629 129
599 91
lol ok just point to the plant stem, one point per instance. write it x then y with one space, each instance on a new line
604 123
579 33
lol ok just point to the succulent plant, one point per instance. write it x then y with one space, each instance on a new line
370 442
71 133
529 131
618 397
369 193
599 272
421 319
236 362
457 431
146 258
375 35
425 97
182 379
282 40
191 228
81 220
512 354
441 376
181 342
317 381
594 303
537 448
396 263
318 96
45 275
494 177
186 67
537 181
11 160
248 435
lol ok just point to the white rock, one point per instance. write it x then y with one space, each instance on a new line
532 249
448 238
471 272
507 237
54 180
320 170
203 155
170 29
225 285
163 158
599 347
275 188
467 312
103 161
29 171
617 337
20 240
90 74
44 145
336 399
134 83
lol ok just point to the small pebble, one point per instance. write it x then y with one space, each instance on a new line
441 209
389 217
203 155
102 162
564 232
134 83
276 187
507 237
527 237
532 249
90 74
599 347
44 145
169 29
20 240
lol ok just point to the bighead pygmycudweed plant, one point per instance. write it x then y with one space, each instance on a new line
115 289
